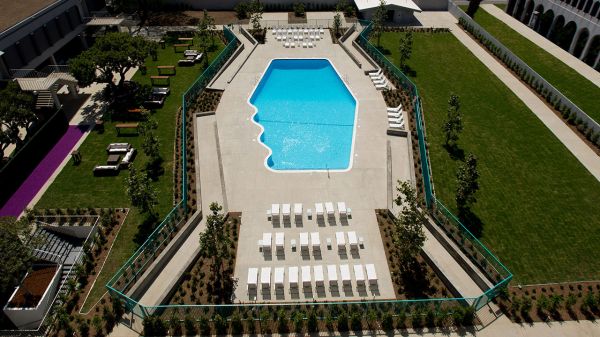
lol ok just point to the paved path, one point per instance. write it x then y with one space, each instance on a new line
583 153
579 66
231 71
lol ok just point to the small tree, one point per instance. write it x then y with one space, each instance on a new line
337 23
255 11
312 323
409 237
141 192
379 21
406 42
16 251
453 125
299 9
84 328
467 183
214 241
206 28
112 53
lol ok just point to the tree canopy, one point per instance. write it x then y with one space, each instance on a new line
113 54
406 42
379 20
15 250
453 125
16 113
139 188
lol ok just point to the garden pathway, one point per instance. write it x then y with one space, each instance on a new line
579 66
585 155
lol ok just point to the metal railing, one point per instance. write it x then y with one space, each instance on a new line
119 284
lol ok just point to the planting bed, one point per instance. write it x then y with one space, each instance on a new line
552 302
33 287
422 282
197 286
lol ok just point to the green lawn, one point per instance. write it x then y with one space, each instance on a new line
75 186
577 88
538 205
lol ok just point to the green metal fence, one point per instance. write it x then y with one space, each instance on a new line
487 262
478 253
137 264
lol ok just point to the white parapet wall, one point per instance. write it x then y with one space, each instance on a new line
31 318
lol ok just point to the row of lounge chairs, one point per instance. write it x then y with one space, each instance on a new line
278 210
379 80
308 274
306 30
354 241
396 117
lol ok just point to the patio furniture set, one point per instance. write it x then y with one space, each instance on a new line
278 211
190 57
114 161
305 37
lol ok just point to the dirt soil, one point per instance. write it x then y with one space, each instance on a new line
198 287
422 281
34 286
292 18
221 17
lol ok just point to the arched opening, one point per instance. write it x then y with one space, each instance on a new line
519 10
592 53
584 35
595 8
546 22
564 36
588 6
568 2
511 6
558 25
580 4
528 12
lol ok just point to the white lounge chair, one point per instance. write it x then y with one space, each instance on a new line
306 276
319 209
345 274
275 211
359 274
310 44
382 86
396 109
265 277
287 44
395 120
279 277
298 211
332 274
397 125
293 277
279 241
395 114
267 241
380 81
319 278
376 74
304 240
371 274
329 209
252 278
340 240
293 44
352 240
341 208
315 241
286 211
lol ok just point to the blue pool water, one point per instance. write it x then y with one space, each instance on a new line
307 114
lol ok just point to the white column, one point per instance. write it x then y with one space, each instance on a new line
574 42
597 63
587 47
552 26
524 14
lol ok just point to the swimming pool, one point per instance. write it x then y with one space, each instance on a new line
307 114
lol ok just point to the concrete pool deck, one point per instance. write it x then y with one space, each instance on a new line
251 188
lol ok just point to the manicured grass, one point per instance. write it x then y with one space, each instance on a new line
76 186
577 88
537 204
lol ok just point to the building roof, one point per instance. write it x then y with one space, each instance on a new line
13 12
369 4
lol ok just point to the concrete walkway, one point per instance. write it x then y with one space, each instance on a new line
232 69
576 64
581 151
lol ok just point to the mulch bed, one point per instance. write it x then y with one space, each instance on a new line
552 302
34 286
292 18
197 286
221 17
422 281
